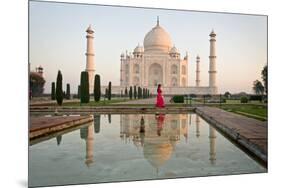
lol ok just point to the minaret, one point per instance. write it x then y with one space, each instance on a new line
197 71
90 65
212 59
212 138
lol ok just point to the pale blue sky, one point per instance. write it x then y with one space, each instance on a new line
57 41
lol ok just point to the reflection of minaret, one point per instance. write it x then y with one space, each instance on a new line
197 121
90 146
212 137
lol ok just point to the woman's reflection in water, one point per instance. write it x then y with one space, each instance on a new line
160 122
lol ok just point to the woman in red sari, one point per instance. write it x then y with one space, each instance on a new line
160 99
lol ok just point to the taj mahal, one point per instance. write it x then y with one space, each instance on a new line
157 62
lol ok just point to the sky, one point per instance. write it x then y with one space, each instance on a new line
57 41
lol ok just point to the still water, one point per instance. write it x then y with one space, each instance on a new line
136 147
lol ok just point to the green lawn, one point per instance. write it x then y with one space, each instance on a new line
251 110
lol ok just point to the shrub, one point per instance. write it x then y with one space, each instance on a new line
59 91
97 88
244 99
126 92
109 91
193 95
67 91
255 98
84 87
131 93
53 94
79 92
139 92
135 92
178 99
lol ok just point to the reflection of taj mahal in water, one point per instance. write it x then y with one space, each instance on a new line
157 62
156 135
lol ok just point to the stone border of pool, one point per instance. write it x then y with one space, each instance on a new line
248 133
42 126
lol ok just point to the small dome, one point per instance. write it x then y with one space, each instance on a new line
174 50
138 49
157 39
197 57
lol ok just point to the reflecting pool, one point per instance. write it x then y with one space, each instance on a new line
136 147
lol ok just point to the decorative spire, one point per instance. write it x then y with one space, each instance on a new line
89 29
157 20
212 34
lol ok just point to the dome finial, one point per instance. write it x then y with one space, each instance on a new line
157 20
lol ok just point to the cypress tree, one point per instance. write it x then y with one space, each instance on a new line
126 92
135 92
53 94
121 93
79 92
59 92
131 92
139 92
84 87
109 91
97 88
143 93
67 91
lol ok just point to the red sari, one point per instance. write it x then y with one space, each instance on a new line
160 99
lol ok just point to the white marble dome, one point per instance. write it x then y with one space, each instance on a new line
157 39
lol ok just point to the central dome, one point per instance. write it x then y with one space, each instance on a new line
157 40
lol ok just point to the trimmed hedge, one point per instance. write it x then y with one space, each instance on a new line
178 99
67 91
84 87
109 91
53 94
59 92
97 88
244 100
131 92
255 98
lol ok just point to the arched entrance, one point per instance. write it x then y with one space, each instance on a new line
155 75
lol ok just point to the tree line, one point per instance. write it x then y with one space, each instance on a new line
83 92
